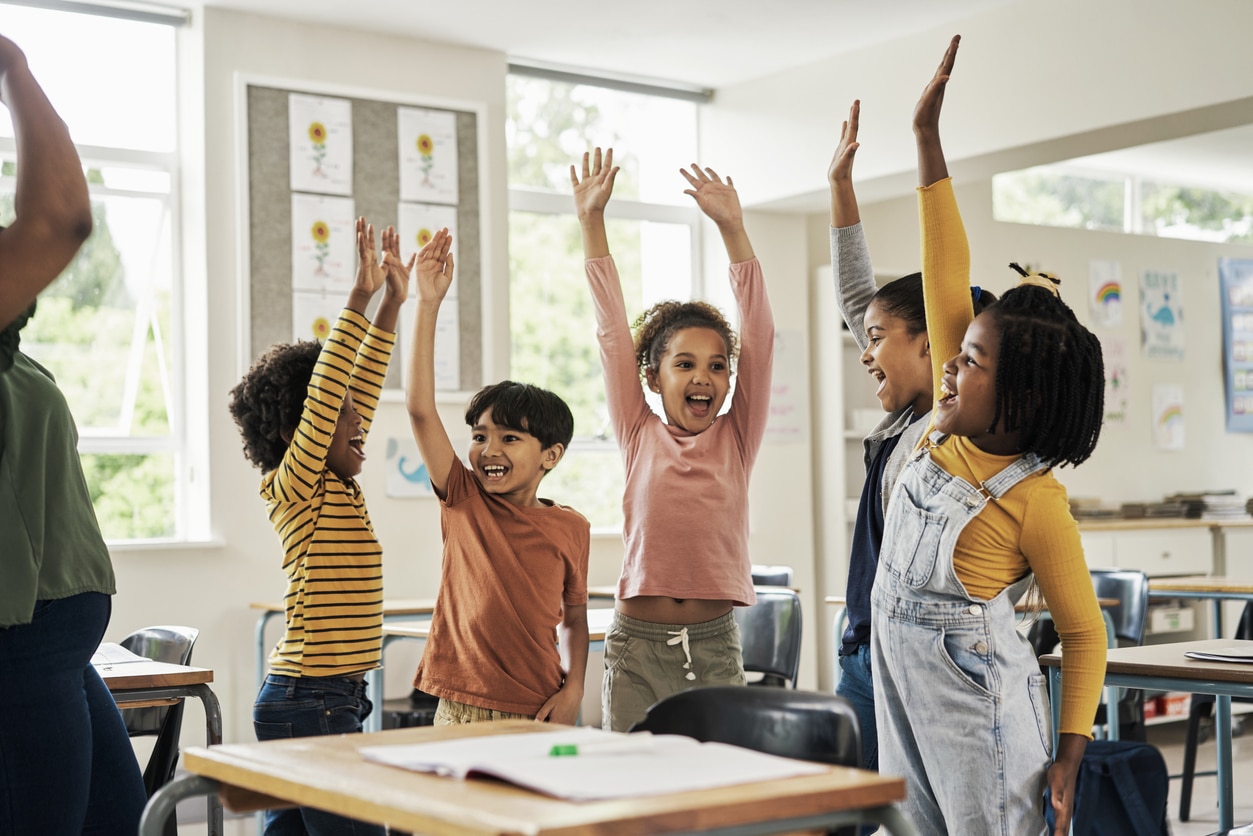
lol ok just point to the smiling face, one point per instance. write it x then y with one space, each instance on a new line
346 454
898 360
968 390
510 463
693 378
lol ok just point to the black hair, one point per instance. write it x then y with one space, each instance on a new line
1050 376
902 298
267 403
525 408
655 327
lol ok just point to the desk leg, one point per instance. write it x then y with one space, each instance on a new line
161 806
259 633
1216 620
1222 733
213 736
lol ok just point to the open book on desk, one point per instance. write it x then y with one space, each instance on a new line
109 654
584 764
1236 652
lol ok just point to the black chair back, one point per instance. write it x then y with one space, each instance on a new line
165 643
770 633
771 575
1130 614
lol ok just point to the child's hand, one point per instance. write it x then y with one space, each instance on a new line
718 200
841 169
435 268
927 111
563 706
370 274
395 271
592 192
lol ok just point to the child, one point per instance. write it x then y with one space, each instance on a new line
686 503
976 515
890 327
67 765
514 565
303 411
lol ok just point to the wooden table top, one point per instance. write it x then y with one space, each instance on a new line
597 623
1168 661
1201 583
328 772
129 676
391 606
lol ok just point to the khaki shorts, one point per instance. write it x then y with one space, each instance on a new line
453 713
645 662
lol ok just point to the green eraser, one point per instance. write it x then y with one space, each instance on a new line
563 749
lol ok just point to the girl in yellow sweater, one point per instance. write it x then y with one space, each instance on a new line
975 519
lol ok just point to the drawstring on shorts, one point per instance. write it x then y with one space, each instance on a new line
680 637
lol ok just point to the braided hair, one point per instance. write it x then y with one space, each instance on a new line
1050 375
655 327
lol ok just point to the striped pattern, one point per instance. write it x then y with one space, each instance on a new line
333 563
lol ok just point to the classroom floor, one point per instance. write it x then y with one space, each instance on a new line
1169 737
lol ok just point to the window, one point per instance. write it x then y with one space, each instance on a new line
109 327
652 228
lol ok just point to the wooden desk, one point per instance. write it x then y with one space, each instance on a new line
1204 588
146 684
1163 667
327 772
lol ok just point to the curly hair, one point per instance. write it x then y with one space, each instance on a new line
1050 376
655 327
267 403
525 408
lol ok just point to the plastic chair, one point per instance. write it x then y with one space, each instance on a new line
772 575
770 633
165 643
417 709
1202 706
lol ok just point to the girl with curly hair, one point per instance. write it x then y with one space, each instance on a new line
686 562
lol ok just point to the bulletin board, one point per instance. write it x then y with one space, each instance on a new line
374 187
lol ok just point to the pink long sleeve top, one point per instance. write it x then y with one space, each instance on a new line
686 499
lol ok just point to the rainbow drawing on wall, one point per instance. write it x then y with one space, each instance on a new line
1105 293
1172 413
1109 293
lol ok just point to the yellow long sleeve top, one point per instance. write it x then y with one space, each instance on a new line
333 562
1030 529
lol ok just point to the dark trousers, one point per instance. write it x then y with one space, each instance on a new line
66 763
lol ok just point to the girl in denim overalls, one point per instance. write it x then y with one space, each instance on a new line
976 517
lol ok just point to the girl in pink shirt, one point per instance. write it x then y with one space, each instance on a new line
686 561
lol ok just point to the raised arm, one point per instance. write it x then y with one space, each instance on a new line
396 282
374 356
52 207
850 257
434 277
932 166
591 195
721 204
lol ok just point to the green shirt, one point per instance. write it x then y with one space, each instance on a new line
50 542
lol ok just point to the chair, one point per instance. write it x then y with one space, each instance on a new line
770 634
1202 706
417 709
771 575
170 644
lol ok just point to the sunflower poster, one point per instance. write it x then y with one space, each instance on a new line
323 244
320 131
417 223
428 155
314 314
447 345
1168 416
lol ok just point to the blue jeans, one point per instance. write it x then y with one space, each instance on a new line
857 686
66 762
291 706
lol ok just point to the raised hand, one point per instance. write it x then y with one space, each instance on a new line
927 111
841 168
435 268
370 274
593 190
396 272
718 200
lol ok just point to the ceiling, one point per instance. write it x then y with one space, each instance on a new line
709 44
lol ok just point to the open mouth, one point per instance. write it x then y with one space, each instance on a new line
699 405
881 377
494 472
357 443
947 393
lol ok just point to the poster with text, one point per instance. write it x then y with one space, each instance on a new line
320 131
1117 380
428 155
1105 293
314 314
447 346
789 402
323 244
1168 416
417 223
406 472
1235 275
1161 315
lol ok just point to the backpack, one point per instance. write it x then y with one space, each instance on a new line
1121 790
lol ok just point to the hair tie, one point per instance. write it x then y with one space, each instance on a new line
975 293
1045 280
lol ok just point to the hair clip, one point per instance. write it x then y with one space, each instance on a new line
975 293
1045 280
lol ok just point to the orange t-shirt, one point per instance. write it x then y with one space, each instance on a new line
506 573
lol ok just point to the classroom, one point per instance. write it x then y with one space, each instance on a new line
1040 84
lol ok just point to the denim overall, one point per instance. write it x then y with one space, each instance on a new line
960 701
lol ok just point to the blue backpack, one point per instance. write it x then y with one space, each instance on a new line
1120 791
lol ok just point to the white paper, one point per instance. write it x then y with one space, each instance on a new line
1117 380
1105 293
324 244
1161 315
1168 416
671 764
417 223
314 315
1230 653
109 654
447 346
320 131
428 155
407 476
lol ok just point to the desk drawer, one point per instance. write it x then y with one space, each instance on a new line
1165 552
